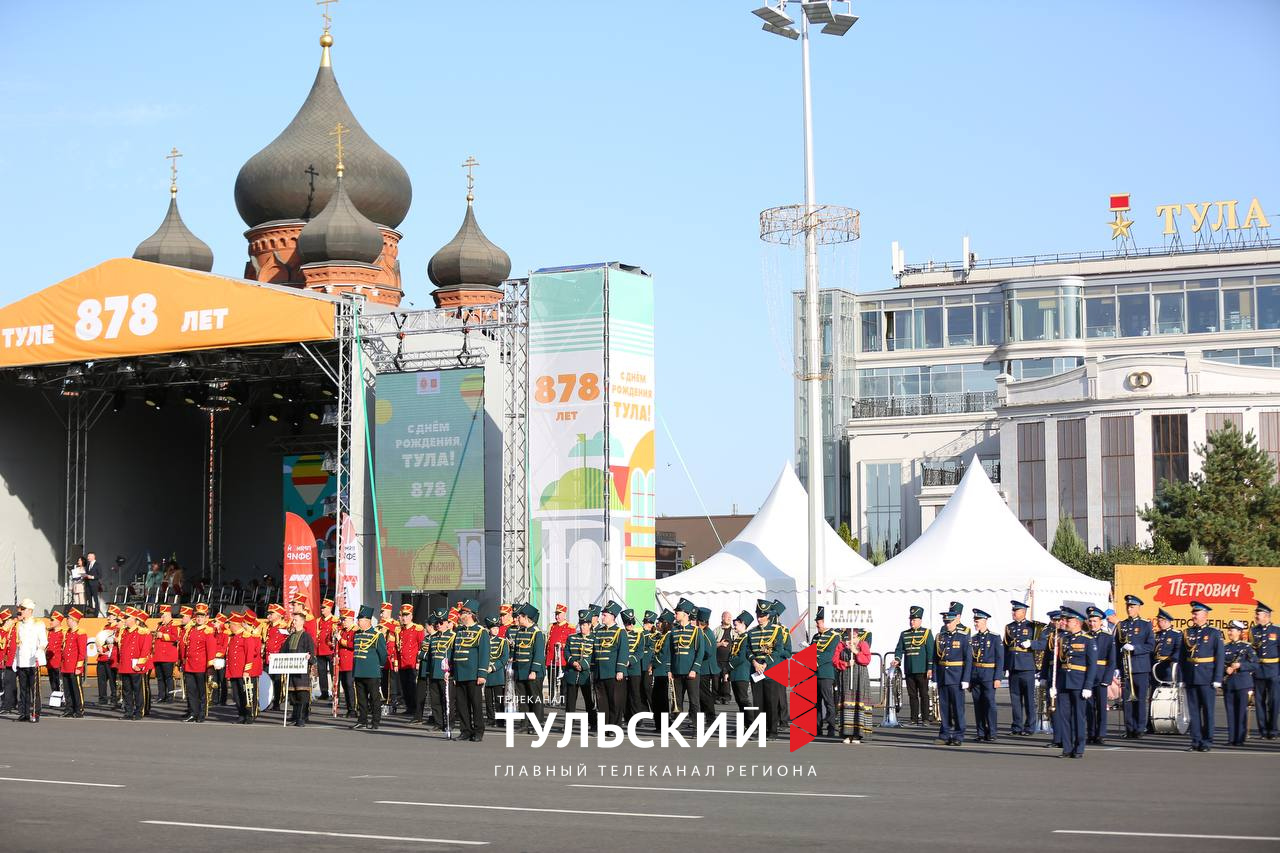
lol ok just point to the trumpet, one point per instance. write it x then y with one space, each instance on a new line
554 673
935 709
509 693
891 684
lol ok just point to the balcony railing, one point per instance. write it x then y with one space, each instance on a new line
950 473
925 404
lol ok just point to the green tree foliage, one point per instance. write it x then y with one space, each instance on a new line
846 535
1231 506
877 556
1195 554
1067 544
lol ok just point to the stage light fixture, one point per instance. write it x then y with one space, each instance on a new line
278 392
292 354
195 395
126 367
818 12
179 363
840 25
313 413
27 377
326 390
274 417
69 388
781 31
74 370
776 17
155 398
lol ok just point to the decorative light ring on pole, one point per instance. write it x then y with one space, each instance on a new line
831 224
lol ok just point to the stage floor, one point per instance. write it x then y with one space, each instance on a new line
217 786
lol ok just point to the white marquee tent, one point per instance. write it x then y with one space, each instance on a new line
975 552
769 559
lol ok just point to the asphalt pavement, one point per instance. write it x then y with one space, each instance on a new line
110 785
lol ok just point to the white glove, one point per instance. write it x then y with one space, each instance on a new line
1086 693
964 685
1128 647
219 663
1217 684
1026 644
1053 693
1039 682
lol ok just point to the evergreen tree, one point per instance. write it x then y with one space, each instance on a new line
1195 554
846 535
1231 506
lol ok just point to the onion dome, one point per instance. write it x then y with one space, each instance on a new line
470 259
340 232
283 180
174 244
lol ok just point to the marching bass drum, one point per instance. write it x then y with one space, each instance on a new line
266 691
1169 710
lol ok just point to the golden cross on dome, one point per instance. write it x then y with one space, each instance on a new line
172 157
327 20
338 130
470 166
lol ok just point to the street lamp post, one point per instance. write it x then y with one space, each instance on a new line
826 224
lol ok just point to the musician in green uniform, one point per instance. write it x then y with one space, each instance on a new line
660 694
578 651
495 680
826 639
369 656
764 649
443 695
710 680
468 663
634 640
648 624
610 657
740 663
784 712
914 654
687 654
528 661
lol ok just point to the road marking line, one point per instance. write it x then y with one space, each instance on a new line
1167 835
719 791
60 782
311 832
530 809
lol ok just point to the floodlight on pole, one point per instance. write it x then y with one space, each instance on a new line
781 31
817 224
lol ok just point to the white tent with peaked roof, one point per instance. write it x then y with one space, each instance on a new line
975 552
769 559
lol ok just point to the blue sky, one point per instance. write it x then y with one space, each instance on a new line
650 133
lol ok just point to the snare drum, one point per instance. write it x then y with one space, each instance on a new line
1169 710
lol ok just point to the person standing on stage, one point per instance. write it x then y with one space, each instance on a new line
277 633
953 669
1240 664
442 703
578 653
346 660
609 663
660 685
557 635
166 637
369 655
1202 673
422 688
710 676
1020 647
198 651
764 649
1104 642
468 660
495 680
409 643
1265 638
327 627
75 653
988 665
740 664
1077 676
106 645
914 653
32 642
135 661
300 642
1135 641
529 661
827 641
8 653
92 584
633 642
53 655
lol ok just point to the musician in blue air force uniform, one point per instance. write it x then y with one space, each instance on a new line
1097 707
1046 648
1265 638
953 667
1240 663
1020 669
1165 653
1201 667
1076 672
1134 642
988 666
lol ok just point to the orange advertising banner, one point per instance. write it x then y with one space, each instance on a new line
301 564
124 307
1232 591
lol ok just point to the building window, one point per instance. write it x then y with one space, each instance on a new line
1031 484
871 331
1169 319
1169 449
1100 317
1202 306
1135 316
884 507
1237 309
1248 356
1269 436
960 326
897 330
1036 318
1268 303
1073 493
1038 368
1119 521
990 311
1214 421
928 328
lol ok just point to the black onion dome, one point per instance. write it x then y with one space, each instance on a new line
470 258
174 244
340 232
292 177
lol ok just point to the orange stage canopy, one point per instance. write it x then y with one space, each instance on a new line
124 307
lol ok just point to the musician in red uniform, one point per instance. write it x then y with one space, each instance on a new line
277 633
75 654
198 652
505 619
347 659
222 632
53 654
244 654
300 604
326 626
8 654
557 635
390 682
135 662
408 644
165 644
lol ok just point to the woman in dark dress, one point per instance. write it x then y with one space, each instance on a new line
298 642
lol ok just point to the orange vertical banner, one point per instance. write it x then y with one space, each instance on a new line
301 568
